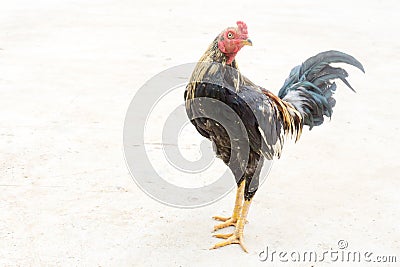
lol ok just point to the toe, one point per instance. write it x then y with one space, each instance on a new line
222 219
242 244
224 236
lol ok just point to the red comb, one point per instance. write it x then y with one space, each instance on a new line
242 28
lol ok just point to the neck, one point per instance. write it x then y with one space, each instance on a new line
213 54
204 70
230 58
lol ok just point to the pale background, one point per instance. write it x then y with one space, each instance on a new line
68 70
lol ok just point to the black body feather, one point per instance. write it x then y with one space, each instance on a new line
257 119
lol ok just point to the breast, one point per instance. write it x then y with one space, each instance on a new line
221 115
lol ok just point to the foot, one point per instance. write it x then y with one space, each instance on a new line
237 236
227 221
233 238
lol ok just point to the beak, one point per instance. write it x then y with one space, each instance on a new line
247 42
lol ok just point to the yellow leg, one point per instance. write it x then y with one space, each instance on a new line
237 236
231 221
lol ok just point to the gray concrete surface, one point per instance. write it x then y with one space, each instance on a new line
68 70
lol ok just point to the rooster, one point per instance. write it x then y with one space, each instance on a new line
246 123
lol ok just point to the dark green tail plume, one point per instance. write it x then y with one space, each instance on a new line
309 87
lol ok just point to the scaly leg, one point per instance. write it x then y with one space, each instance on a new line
237 236
231 221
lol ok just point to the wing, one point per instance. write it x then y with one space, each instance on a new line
256 112
268 127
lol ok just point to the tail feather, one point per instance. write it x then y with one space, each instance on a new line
310 87
318 62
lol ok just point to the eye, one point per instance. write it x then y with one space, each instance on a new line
230 35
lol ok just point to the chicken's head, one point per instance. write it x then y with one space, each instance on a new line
231 40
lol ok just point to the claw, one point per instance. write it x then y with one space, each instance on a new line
232 239
226 223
